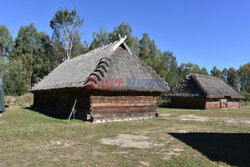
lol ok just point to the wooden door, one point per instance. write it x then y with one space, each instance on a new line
223 103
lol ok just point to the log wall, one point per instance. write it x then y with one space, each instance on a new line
191 103
233 104
199 103
213 104
106 107
60 103
101 105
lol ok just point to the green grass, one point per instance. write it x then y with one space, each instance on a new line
29 138
245 103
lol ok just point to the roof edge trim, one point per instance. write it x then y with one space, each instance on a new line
119 43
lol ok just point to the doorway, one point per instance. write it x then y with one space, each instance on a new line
223 103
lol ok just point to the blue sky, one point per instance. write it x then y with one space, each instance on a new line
204 32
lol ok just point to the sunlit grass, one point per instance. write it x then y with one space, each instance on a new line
29 138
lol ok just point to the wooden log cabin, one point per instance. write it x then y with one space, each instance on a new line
109 83
204 92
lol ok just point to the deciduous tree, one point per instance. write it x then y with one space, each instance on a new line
6 44
99 38
233 77
204 71
66 27
215 72
225 74
244 75
15 79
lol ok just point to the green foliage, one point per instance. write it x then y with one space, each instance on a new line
34 49
34 54
66 26
215 72
188 68
145 43
6 44
46 61
26 49
16 80
100 38
204 71
232 77
229 75
225 74
244 75
247 96
124 29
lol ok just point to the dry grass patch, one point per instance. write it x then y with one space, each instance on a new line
25 100
134 141
192 117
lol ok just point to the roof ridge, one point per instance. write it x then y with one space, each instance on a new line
179 84
80 56
119 42
102 64
209 86
209 76
75 73
221 79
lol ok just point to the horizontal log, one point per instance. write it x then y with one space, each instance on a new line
115 111
121 104
121 98
100 97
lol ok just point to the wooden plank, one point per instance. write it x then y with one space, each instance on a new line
121 104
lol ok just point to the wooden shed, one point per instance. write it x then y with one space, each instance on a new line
109 83
204 92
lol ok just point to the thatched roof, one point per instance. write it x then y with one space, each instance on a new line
113 61
204 86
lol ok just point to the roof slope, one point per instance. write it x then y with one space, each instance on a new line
197 85
113 61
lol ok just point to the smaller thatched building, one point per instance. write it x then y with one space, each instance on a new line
109 83
204 92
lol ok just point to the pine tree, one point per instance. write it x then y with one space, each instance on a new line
244 75
204 71
99 38
216 72
233 77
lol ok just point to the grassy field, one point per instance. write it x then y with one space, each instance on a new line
178 137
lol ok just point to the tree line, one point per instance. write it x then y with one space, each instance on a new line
32 55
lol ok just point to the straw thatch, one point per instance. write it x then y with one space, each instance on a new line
113 61
204 86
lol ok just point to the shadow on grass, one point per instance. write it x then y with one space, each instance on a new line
56 114
49 113
231 148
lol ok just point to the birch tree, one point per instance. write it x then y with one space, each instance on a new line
66 27
6 44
